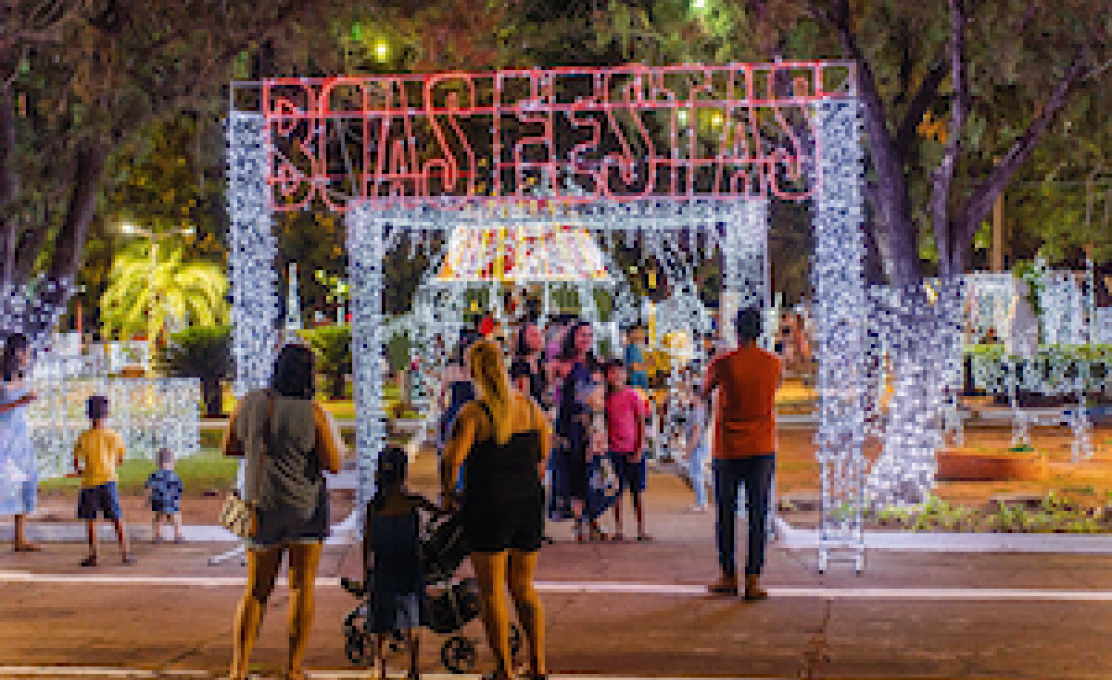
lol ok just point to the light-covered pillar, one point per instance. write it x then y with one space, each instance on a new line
252 248
366 229
743 264
840 306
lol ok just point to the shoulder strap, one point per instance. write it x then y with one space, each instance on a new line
256 491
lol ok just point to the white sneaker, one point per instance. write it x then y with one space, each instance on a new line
697 508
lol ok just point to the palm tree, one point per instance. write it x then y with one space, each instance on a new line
145 291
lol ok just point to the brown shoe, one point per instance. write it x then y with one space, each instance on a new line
726 585
753 590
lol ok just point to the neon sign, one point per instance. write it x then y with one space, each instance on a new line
616 134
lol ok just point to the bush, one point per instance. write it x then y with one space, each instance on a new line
332 347
203 352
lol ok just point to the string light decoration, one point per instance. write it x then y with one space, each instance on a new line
147 413
656 198
251 253
839 316
293 305
1067 361
28 309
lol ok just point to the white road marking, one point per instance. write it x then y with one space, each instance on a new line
592 587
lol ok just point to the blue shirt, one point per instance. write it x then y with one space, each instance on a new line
634 355
166 488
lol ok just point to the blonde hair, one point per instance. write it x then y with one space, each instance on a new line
488 370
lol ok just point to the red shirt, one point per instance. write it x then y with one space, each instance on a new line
746 379
624 410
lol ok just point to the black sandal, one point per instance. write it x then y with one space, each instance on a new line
89 561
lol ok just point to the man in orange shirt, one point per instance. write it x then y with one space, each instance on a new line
745 382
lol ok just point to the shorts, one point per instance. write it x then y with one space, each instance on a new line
279 528
160 508
492 528
103 499
630 475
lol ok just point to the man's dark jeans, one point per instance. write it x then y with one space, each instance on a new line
755 472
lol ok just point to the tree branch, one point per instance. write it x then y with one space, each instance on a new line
979 206
943 175
892 201
919 105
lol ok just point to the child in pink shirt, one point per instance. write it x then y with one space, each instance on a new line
625 431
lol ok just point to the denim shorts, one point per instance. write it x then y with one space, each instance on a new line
103 499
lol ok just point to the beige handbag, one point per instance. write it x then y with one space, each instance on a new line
238 515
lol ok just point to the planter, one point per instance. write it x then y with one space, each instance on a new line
967 465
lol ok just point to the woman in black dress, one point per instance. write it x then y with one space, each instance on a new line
503 436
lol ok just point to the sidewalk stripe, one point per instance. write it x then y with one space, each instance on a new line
590 587
72 671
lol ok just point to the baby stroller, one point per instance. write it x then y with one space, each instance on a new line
452 602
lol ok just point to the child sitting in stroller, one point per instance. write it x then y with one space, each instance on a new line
392 535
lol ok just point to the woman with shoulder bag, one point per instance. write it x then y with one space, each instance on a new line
288 442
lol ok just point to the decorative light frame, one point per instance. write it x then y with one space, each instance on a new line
279 159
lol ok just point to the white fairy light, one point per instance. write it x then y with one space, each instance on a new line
839 327
252 249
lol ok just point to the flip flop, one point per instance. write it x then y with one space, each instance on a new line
27 548
89 561
644 537
129 559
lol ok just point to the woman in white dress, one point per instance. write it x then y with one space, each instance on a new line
19 476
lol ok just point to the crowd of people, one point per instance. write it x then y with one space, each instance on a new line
529 432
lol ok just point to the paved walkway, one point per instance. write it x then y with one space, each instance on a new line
632 609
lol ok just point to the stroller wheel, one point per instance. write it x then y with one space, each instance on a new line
515 640
458 654
355 638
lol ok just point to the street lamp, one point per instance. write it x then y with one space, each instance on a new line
154 237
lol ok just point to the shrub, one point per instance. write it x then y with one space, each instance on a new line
332 346
203 352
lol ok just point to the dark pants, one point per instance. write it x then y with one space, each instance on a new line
755 473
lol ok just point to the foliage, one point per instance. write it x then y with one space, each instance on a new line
1031 75
208 471
332 346
143 295
203 352
1054 514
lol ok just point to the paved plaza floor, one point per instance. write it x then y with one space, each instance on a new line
613 610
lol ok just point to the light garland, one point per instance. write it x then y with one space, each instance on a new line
839 315
147 413
736 228
252 249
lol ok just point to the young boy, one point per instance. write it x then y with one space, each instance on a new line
95 456
625 431
635 358
166 488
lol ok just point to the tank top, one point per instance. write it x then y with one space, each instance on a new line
503 474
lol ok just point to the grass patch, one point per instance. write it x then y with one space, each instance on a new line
208 470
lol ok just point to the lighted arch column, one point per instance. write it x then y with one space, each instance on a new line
366 230
840 308
743 263
252 252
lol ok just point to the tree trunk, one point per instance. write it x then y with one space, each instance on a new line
336 385
9 185
213 397
70 242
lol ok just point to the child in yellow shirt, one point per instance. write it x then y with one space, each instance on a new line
95 456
